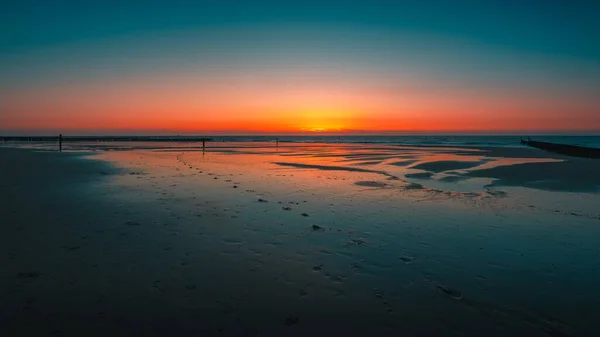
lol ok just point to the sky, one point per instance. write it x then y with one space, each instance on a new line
298 67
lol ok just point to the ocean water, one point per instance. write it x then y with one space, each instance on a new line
503 141
77 143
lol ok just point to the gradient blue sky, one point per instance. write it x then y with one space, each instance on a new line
363 65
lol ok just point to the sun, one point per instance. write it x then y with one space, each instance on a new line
314 129
322 120
322 128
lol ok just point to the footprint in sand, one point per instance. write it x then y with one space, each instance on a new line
452 293
406 259
317 228
338 278
378 293
370 184
355 242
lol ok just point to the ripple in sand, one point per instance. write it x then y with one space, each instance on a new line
370 184
420 175
413 186
496 193
446 165
324 251
404 162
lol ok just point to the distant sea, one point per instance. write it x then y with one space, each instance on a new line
431 140
502 141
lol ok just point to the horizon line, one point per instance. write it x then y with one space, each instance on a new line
307 134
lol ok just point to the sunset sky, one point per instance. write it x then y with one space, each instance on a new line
278 67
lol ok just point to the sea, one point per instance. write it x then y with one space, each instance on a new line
431 140
148 141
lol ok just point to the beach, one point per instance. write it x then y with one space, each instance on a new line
253 239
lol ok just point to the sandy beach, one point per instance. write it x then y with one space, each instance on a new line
327 239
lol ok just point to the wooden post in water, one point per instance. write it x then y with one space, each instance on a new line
60 142
203 144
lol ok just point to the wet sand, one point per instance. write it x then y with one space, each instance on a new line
296 241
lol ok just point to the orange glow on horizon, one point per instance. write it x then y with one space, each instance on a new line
220 107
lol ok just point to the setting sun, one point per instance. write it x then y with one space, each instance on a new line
321 120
